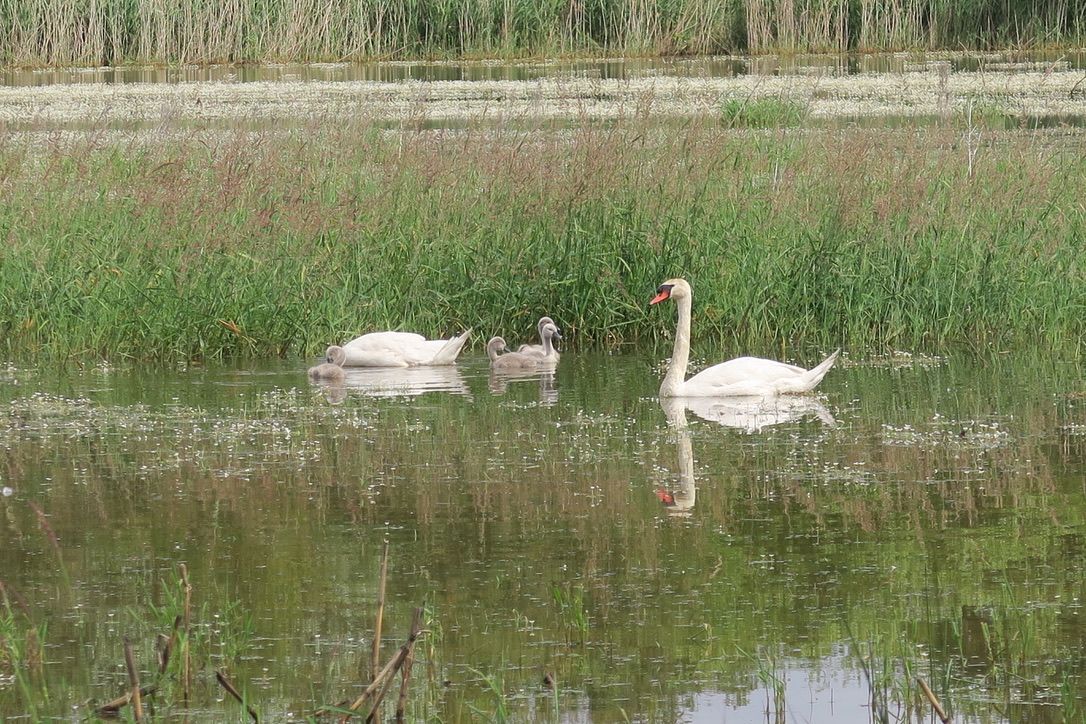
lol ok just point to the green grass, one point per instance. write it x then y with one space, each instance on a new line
22 654
222 244
107 32
762 112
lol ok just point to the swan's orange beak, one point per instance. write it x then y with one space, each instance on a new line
665 497
661 294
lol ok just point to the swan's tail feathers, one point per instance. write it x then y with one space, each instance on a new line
448 354
815 374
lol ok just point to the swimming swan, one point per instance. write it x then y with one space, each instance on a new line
401 349
332 369
510 360
740 376
548 333
513 361
539 350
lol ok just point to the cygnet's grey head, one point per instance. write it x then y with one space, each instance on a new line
335 355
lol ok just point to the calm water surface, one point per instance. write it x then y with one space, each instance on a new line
730 562
619 68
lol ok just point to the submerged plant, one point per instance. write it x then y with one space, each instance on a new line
570 603
22 653
768 671
494 684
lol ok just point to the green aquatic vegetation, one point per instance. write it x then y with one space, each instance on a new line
769 673
277 243
569 600
762 112
22 653
1070 703
494 685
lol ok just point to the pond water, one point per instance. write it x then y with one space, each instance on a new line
528 70
805 561
1017 91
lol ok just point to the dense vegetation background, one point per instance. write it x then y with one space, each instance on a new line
56 32
264 243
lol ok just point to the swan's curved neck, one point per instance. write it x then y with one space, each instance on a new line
680 356
548 346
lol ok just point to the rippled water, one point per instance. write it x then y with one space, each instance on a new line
921 518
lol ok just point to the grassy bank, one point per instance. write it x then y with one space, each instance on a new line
49 33
215 244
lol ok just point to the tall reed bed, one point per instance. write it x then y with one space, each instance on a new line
61 32
275 242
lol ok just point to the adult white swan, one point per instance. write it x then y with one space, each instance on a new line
741 376
401 349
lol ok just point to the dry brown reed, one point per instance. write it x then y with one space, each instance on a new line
109 32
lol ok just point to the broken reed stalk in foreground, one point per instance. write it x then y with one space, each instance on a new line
226 684
375 658
935 704
280 242
405 678
133 680
383 680
186 653
164 647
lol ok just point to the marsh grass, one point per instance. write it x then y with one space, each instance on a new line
494 684
572 611
762 112
766 664
215 244
22 653
109 32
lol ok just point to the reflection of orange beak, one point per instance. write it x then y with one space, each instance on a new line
660 297
665 497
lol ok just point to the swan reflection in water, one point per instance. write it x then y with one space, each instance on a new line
548 389
679 502
749 414
395 382
752 414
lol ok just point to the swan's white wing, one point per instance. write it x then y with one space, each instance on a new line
401 349
388 349
741 376
384 340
